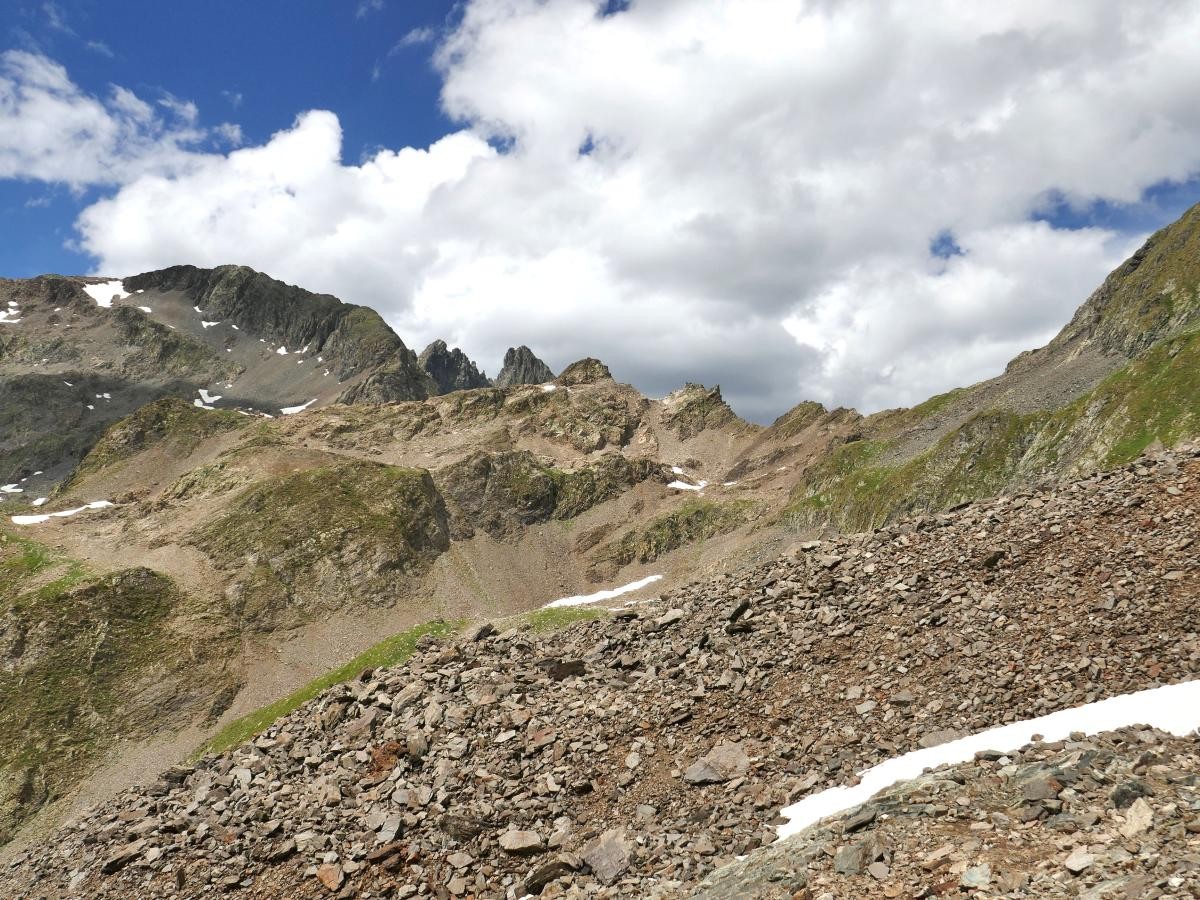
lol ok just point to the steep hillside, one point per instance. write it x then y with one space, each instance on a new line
1121 375
639 753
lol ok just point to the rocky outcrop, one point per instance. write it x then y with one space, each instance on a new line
502 493
695 408
451 370
367 531
522 367
584 371
649 749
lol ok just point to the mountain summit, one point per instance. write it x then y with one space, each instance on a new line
522 367
451 370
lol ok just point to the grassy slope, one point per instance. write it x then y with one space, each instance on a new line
84 660
1154 398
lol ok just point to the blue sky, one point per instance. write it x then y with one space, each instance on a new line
863 203
257 64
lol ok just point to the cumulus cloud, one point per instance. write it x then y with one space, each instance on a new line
51 130
718 191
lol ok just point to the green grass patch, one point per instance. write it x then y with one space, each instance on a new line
22 559
1154 398
388 652
544 621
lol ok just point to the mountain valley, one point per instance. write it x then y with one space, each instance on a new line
220 489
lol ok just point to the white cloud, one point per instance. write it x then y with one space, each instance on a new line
56 18
101 48
230 133
366 7
413 38
184 110
52 131
755 197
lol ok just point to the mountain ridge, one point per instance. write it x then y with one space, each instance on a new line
292 541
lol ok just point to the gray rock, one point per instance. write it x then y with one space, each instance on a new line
520 842
723 762
607 856
451 370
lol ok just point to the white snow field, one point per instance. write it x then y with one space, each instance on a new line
603 595
46 517
1174 708
105 294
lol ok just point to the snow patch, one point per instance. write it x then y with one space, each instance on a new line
603 595
209 398
677 470
1174 708
46 517
549 388
105 294
728 483
40 500
200 404
204 324
10 489
282 351
292 410
68 384
684 486
145 309
7 314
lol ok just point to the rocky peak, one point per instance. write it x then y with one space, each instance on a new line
584 371
522 367
355 339
451 370
1153 294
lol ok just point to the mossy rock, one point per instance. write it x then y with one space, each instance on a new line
169 419
87 661
697 520
322 538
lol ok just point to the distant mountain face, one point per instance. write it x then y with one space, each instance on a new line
522 367
77 354
451 370
1122 374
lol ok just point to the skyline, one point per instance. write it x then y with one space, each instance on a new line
863 207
